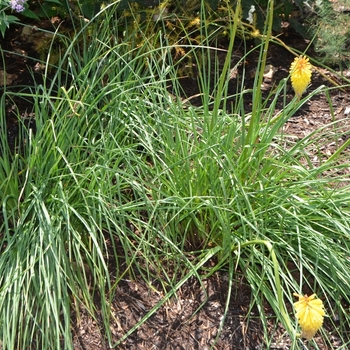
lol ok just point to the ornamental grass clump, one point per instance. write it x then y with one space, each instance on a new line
310 313
300 71
123 180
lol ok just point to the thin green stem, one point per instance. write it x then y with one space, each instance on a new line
234 22
282 307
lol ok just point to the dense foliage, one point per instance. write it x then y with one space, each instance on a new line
116 175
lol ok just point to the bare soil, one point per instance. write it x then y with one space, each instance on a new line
194 318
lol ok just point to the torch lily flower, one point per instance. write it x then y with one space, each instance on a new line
309 312
300 73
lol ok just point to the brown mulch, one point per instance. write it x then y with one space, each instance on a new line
192 319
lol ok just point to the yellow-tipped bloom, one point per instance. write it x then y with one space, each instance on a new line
300 71
309 312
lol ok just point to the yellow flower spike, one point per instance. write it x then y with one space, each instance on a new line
300 71
309 312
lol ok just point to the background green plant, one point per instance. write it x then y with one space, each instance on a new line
329 23
119 172
38 10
